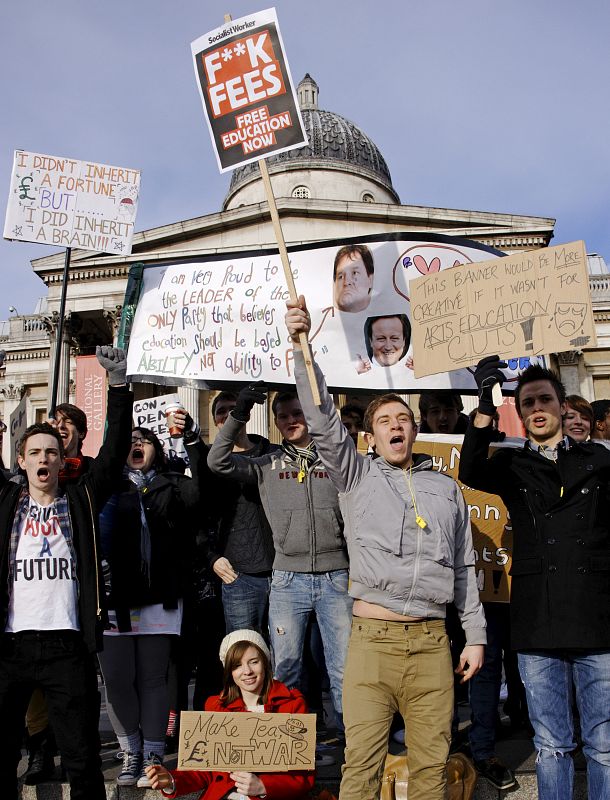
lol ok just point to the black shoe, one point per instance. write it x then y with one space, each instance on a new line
496 773
41 766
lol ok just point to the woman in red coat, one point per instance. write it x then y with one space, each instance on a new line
248 686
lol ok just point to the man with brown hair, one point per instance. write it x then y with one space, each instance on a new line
51 610
410 547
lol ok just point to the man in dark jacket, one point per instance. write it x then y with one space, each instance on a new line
50 602
242 555
557 493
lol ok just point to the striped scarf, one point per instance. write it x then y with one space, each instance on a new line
305 457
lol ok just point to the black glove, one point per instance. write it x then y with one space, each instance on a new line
114 361
255 393
487 374
191 430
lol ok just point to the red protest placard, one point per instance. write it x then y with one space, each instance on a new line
247 91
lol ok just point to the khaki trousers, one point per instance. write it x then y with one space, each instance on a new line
404 667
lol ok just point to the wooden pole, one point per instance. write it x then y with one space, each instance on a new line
279 235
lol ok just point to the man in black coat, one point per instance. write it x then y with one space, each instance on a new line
51 590
557 492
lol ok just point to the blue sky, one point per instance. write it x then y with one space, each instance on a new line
475 105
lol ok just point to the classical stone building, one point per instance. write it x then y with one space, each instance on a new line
338 185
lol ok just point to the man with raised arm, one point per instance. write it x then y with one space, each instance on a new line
557 493
51 609
410 549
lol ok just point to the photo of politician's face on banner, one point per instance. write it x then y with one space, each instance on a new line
353 278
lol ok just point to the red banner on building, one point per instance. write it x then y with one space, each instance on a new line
91 398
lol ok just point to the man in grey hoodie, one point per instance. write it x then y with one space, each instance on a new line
310 565
410 548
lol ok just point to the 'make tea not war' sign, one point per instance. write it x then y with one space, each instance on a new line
526 304
230 741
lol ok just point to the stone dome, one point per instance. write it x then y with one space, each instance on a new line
334 143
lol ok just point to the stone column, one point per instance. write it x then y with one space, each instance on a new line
259 420
113 317
190 400
568 370
12 398
72 324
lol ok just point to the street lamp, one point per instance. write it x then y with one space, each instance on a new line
12 310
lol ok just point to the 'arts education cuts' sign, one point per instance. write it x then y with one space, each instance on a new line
247 91
525 304
68 203
227 742
221 319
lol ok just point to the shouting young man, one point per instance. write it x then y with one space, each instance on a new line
410 549
557 493
51 578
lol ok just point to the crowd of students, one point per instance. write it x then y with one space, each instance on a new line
309 551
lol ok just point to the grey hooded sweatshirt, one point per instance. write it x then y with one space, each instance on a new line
394 563
303 514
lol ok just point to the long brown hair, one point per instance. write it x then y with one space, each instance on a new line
230 691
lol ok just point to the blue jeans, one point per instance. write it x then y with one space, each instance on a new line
485 685
548 676
246 603
294 596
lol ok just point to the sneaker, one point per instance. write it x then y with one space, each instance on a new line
150 759
132 767
496 773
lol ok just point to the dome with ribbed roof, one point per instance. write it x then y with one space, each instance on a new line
334 143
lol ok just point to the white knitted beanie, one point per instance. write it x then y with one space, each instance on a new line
243 635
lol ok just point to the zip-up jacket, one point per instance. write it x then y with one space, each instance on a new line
560 515
304 515
394 562
244 536
85 497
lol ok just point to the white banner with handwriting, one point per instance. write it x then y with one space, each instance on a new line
222 319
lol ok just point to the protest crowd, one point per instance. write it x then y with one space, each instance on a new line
274 573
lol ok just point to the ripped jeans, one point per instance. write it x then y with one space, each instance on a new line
294 596
548 677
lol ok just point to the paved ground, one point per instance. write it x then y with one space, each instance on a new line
514 748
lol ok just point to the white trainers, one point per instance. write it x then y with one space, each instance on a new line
132 768
149 759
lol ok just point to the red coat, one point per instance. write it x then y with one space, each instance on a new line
278 785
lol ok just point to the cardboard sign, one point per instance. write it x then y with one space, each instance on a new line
525 304
226 742
221 319
247 91
151 414
18 422
91 397
68 203
492 534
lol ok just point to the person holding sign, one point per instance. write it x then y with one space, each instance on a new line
557 493
248 686
410 547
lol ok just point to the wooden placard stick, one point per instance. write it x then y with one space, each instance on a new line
294 297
